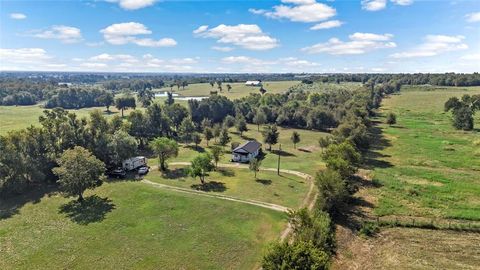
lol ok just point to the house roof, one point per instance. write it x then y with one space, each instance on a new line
248 147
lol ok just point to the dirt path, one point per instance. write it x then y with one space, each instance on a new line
308 201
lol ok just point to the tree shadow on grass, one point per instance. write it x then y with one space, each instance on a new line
11 203
283 153
265 182
226 172
175 173
195 148
92 209
212 186
304 150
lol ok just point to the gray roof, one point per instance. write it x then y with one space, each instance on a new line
248 147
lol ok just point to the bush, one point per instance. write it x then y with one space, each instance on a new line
391 119
332 190
369 229
299 255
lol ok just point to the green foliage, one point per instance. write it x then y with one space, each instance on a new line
208 134
196 138
217 153
391 119
295 138
241 125
200 166
260 118
164 148
332 190
224 138
343 158
78 170
229 121
121 146
270 135
125 102
369 229
186 130
315 227
299 255
463 110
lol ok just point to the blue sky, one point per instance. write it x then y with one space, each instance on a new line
240 36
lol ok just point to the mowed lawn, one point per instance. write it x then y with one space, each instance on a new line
238 90
131 225
428 168
286 190
305 158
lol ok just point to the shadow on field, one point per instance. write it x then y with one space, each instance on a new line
226 172
212 186
373 158
265 182
283 153
92 209
10 204
195 148
352 215
175 173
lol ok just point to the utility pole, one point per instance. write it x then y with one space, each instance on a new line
278 165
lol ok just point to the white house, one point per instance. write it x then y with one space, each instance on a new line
246 151
253 83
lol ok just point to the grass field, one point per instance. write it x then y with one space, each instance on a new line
130 225
427 168
286 190
238 89
18 117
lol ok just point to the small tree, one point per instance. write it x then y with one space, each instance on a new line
78 171
270 136
216 131
106 100
208 134
124 103
229 87
164 148
229 121
186 130
241 125
295 138
254 166
260 118
332 189
297 255
121 147
224 138
217 153
196 138
391 119
201 165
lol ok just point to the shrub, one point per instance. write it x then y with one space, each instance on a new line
391 119
369 229
299 255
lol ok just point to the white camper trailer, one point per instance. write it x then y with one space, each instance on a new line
134 163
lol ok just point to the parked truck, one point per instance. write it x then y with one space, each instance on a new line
134 163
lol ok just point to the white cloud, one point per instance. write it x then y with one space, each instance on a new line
327 25
93 65
473 17
402 2
359 43
66 34
133 4
23 55
222 48
434 45
299 11
247 36
183 61
374 5
471 57
105 57
18 16
124 33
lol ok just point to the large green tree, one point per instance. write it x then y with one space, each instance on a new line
343 158
200 166
270 135
78 171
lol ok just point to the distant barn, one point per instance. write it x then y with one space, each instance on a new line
253 83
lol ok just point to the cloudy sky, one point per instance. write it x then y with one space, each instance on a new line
240 36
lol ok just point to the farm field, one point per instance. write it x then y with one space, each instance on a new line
426 167
137 226
238 90
18 117
286 190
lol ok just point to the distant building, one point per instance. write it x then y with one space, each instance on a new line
253 83
246 151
